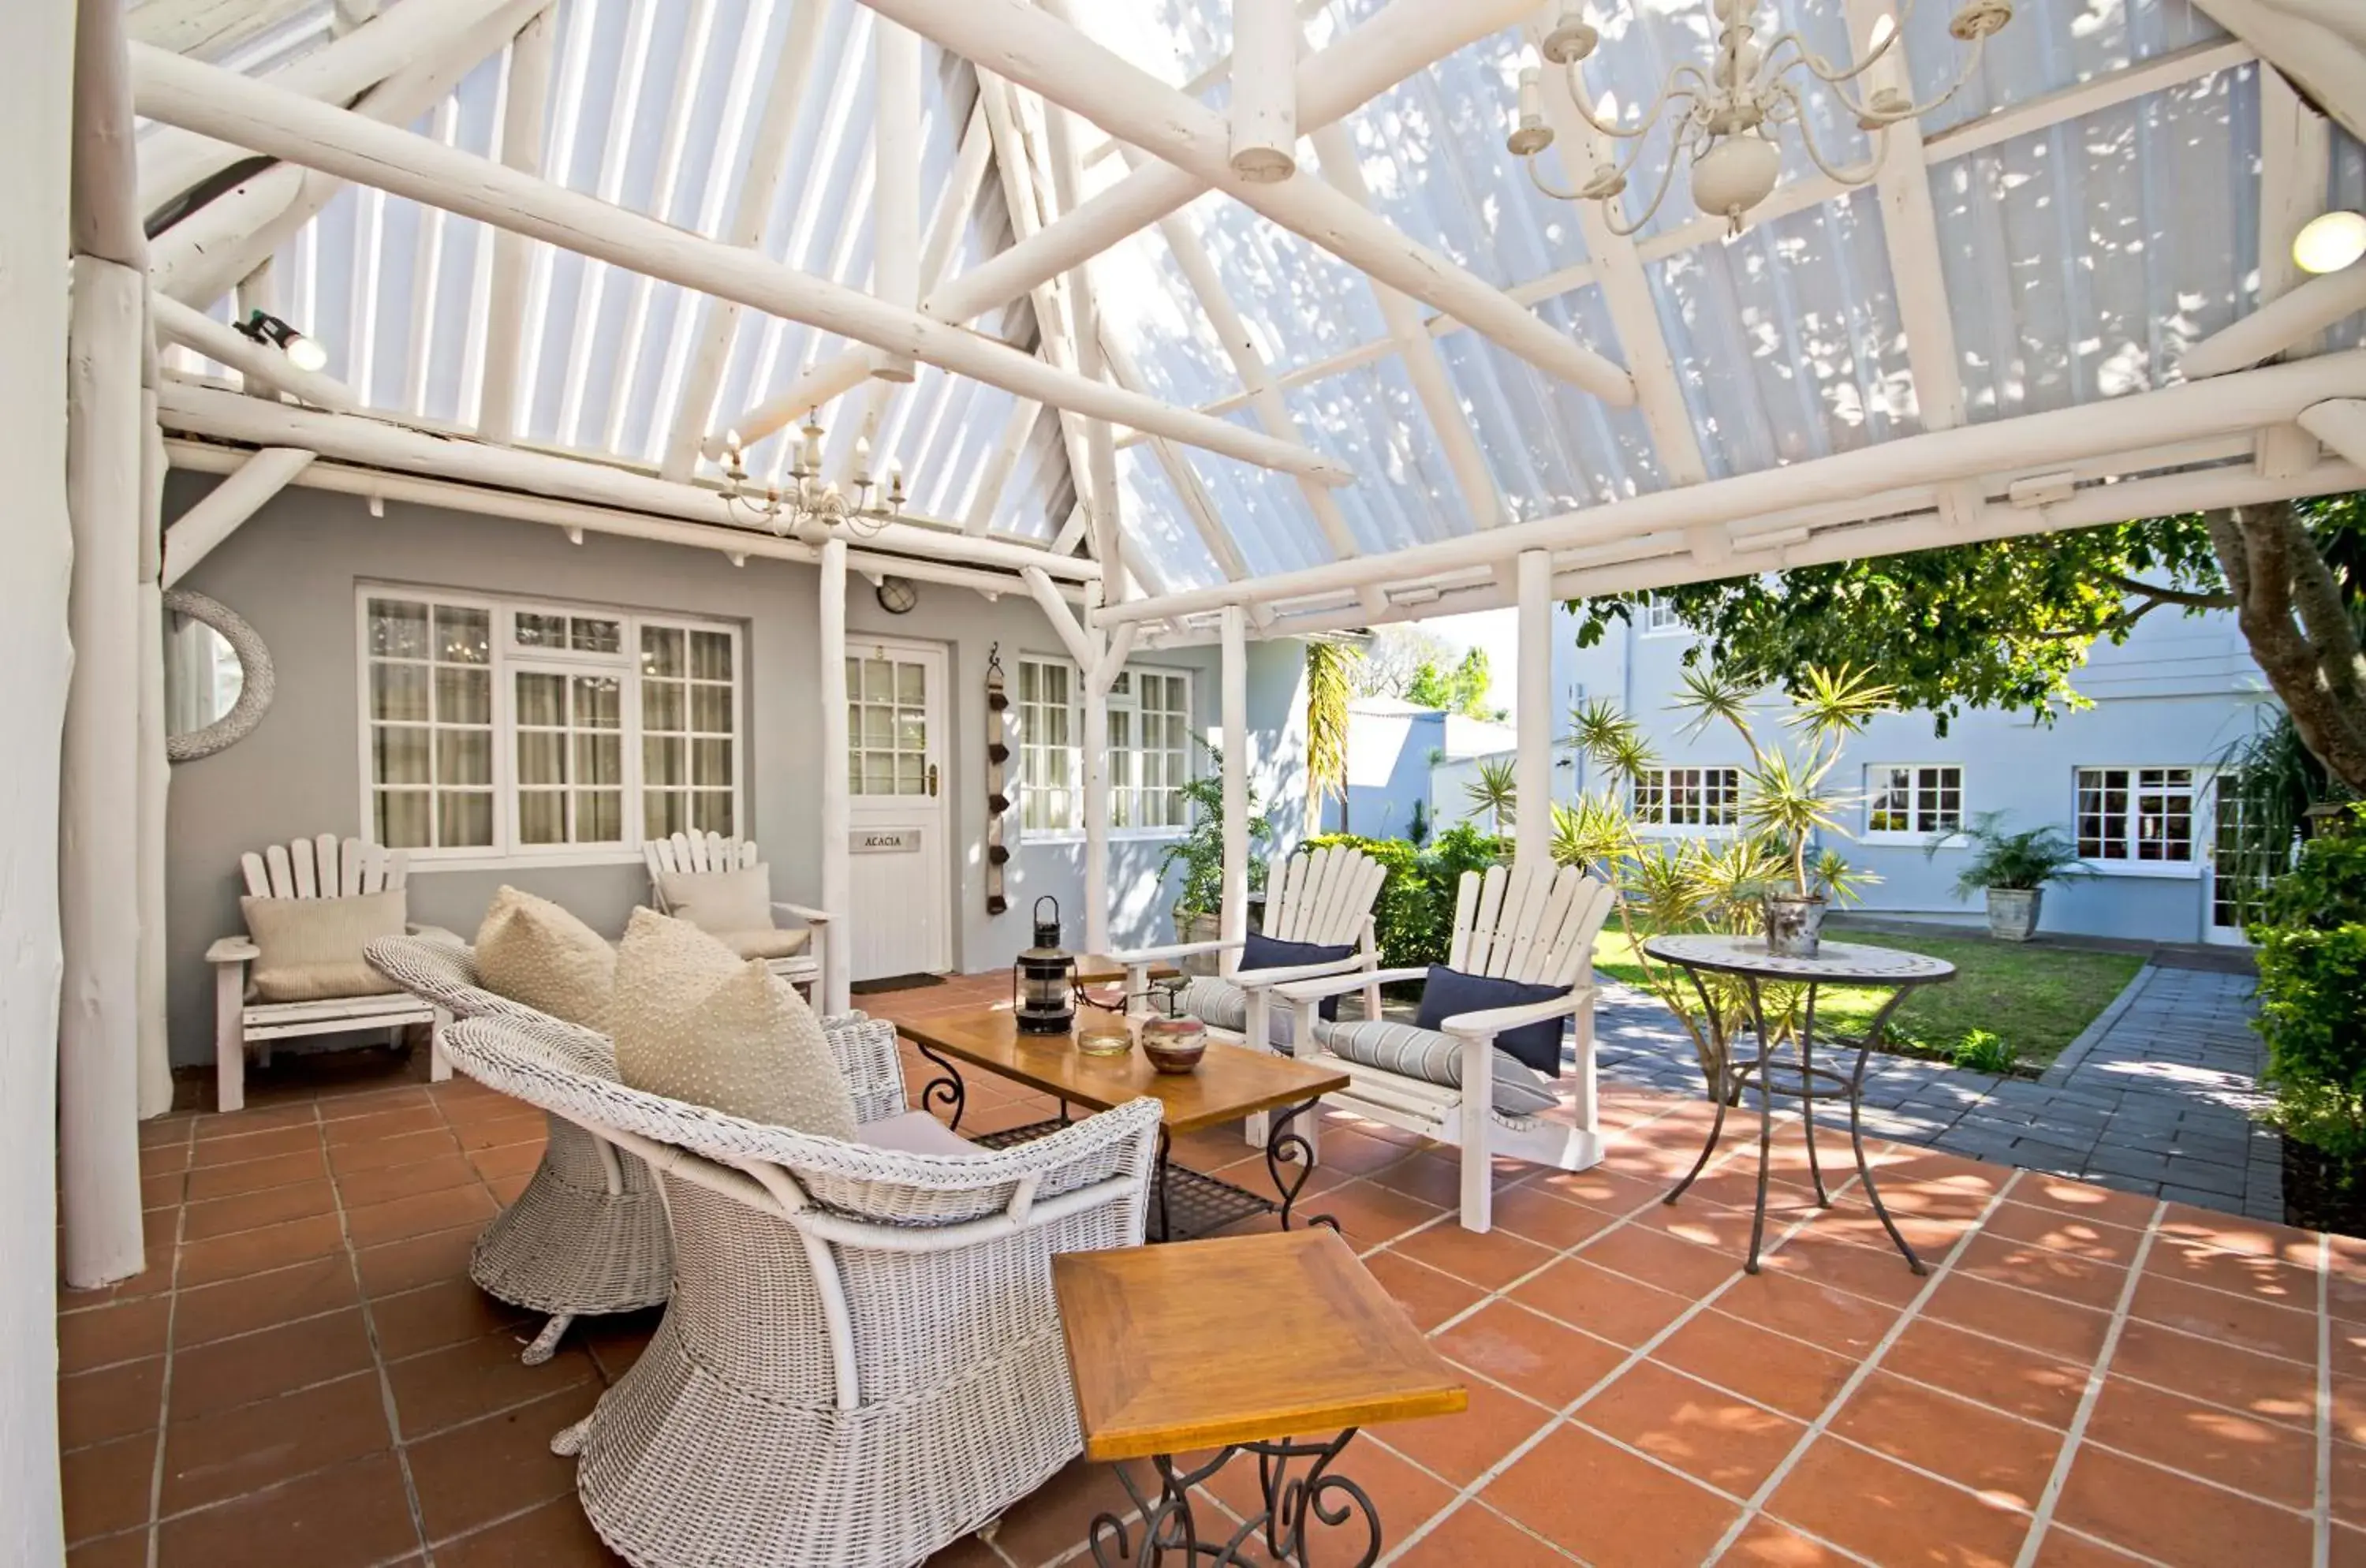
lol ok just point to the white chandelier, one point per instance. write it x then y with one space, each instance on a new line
810 502
1727 119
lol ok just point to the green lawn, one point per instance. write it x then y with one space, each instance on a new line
2034 999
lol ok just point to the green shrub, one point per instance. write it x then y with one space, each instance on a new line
2311 955
1414 917
1981 1052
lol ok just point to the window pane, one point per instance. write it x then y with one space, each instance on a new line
542 817
911 684
710 709
710 656
599 702
710 763
464 696
541 758
464 818
599 815
661 705
464 757
399 755
909 777
711 810
541 699
911 731
878 773
403 820
663 812
877 729
397 629
463 635
399 691
878 679
593 635
665 759
536 631
600 759
661 653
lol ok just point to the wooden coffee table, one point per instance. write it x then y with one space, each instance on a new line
1231 1082
1243 1345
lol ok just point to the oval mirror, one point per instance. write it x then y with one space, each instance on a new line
217 677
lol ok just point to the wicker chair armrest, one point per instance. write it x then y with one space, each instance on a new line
866 1053
1487 1024
234 949
1340 985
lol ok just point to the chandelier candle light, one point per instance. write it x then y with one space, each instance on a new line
811 502
1727 119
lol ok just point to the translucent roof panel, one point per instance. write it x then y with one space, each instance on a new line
2082 261
1370 420
2347 192
2052 44
1303 303
1787 340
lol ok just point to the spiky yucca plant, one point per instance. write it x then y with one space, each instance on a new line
1496 791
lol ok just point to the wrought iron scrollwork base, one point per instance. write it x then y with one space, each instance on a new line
947 1089
1293 1500
1283 1147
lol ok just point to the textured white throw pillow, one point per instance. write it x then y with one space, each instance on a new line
693 1022
311 947
720 901
532 950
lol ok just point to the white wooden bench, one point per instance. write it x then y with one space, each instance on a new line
699 852
308 868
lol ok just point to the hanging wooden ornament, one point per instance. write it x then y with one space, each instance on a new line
998 801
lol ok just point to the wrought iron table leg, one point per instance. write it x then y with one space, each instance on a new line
1293 1499
1808 1095
1724 1089
1166 1225
1766 1122
947 1089
1281 1141
1856 1128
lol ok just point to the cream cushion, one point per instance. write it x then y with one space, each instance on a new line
311 947
720 901
694 1022
531 951
766 943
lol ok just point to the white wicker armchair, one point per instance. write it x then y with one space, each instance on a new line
862 1360
588 1233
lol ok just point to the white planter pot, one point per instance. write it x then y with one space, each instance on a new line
2013 912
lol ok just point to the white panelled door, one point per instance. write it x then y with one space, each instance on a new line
901 851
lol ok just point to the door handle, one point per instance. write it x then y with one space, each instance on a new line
932 781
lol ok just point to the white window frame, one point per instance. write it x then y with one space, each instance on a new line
2198 817
1915 803
1665 829
1117 700
1659 619
506 661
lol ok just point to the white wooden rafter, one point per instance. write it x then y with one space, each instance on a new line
2295 164
2329 66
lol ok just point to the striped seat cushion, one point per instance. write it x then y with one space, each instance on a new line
1425 1054
1219 1004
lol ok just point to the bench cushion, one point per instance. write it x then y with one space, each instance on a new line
1219 1004
720 901
311 947
765 943
1411 1051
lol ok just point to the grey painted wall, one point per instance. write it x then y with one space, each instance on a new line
292 572
2178 692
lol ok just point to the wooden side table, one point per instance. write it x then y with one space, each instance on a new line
1241 1345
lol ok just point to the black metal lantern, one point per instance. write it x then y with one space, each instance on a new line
1043 978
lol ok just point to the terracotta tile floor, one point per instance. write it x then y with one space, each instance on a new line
306 1376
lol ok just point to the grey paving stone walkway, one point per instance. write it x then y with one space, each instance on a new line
2153 1098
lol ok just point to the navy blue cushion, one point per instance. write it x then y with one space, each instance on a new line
1449 993
1267 953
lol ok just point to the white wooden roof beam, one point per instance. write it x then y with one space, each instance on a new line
2296 165
895 193
2330 67
352 146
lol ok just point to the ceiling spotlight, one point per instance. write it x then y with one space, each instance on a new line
304 353
2330 241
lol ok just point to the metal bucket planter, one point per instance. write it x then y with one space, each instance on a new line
1206 926
2013 912
1794 925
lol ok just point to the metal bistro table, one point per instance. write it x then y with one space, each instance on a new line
1837 963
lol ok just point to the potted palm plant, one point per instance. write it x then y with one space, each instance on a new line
1201 853
2013 869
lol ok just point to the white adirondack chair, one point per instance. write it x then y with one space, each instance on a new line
321 867
1533 923
697 852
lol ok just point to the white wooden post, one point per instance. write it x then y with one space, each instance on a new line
155 1050
1232 640
1097 678
837 874
896 165
1265 89
37 46
98 874
1534 770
